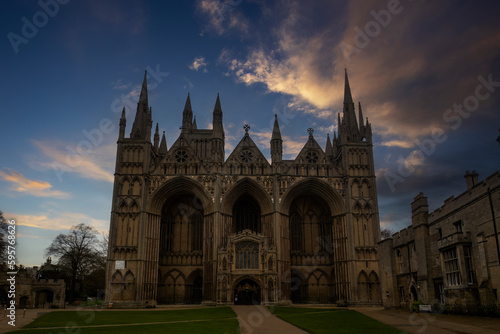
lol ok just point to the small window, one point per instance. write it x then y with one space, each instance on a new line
440 231
458 226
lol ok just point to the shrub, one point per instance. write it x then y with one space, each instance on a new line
414 306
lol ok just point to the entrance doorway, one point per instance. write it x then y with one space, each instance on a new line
247 292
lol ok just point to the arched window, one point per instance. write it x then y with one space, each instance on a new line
196 232
246 214
296 233
167 233
247 255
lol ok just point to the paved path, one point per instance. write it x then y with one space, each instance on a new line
430 323
256 319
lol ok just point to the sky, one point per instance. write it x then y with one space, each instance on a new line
427 74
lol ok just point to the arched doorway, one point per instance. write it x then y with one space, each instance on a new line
247 292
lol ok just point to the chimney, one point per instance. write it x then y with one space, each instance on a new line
471 179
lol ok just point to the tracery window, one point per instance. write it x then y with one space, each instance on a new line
246 156
181 156
247 255
312 157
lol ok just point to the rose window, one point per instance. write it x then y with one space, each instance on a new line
181 156
312 157
246 156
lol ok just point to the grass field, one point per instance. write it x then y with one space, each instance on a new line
320 321
203 320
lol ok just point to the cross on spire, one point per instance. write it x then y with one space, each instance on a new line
246 127
311 131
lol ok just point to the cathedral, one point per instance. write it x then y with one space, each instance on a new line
190 226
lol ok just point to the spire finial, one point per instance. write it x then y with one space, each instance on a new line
311 131
246 127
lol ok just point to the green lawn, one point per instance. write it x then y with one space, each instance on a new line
203 320
319 321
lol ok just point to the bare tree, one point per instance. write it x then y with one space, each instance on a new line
3 241
386 233
77 251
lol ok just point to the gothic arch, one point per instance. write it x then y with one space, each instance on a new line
176 187
124 186
365 189
135 186
355 189
318 287
129 286
250 187
312 186
172 287
363 287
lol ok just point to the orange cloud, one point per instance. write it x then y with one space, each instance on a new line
52 220
22 184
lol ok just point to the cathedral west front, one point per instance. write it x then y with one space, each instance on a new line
191 226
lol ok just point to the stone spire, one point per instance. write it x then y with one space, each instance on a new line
163 145
349 114
187 116
195 127
123 124
328 149
276 142
217 119
143 114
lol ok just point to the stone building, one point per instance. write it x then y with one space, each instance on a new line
191 226
33 290
450 255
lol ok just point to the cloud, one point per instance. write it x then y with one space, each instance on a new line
97 163
406 76
199 63
22 184
221 16
57 220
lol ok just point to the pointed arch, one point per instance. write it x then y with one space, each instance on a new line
363 287
135 186
249 187
355 191
125 186
312 186
367 210
134 207
176 187
365 188
129 286
318 287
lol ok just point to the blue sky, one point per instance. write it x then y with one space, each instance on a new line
68 68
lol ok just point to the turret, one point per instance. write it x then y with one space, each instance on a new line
217 142
276 142
157 138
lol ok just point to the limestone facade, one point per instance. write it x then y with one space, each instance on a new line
191 226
